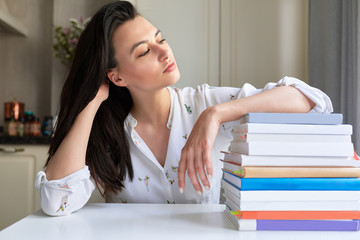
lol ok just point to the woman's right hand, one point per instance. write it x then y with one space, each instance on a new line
103 92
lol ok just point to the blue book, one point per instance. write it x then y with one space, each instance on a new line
304 184
293 118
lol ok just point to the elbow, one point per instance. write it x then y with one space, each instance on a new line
309 104
302 103
55 203
62 202
62 197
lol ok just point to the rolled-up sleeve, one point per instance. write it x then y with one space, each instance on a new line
66 195
216 95
322 101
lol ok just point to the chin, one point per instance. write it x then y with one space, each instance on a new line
177 78
174 79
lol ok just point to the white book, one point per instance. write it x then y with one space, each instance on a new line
292 118
293 149
231 159
276 137
291 196
288 195
343 129
293 205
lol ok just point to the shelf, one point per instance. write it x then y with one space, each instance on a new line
9 23
42 140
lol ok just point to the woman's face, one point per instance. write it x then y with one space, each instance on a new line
145 60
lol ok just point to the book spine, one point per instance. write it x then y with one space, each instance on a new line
298 195
300 162
305 225
293 118
319 184
297 172
293 205
293 149
343 129
273 161
293 225
258 137
296 215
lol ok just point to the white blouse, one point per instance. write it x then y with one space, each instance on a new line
153 183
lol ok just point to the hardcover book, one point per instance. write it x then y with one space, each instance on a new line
296 172
258 196
233 160
296 215
292 225
343 129
293 149
293 118
276 137
235 204
296 184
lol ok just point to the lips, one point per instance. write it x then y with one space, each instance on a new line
170 67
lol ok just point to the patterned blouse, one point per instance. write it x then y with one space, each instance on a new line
153 183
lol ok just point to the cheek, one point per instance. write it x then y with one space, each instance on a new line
141 71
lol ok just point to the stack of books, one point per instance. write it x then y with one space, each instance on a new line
292 171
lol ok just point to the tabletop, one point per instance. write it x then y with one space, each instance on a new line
149 221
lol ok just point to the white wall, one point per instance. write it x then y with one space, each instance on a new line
231 42
263 41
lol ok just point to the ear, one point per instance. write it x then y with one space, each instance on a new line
113 75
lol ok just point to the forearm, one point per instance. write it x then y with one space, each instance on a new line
70 156
280 99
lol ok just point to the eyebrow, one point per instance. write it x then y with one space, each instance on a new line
142 42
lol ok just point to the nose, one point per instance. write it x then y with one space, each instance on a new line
164 52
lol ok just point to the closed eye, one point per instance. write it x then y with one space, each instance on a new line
143 54
147 51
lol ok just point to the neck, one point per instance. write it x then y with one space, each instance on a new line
151 108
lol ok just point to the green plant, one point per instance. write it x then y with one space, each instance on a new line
66 39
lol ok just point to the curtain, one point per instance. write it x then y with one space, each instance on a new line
334 56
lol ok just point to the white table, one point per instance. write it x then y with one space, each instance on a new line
148 221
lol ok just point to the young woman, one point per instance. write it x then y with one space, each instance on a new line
123 128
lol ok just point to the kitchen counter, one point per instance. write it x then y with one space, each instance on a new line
28 140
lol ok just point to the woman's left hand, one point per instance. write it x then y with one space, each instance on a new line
196 154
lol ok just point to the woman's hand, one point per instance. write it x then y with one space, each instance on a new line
196 154
103 93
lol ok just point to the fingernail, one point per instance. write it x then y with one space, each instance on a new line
207 188
181 190
210 176
199 193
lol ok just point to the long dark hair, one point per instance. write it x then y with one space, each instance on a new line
107 154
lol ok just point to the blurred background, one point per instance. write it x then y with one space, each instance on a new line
216 42
219 42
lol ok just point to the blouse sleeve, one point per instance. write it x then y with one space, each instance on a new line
217 95
322 101
66 195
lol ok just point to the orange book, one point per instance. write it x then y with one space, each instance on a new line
296 172
296 215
